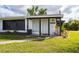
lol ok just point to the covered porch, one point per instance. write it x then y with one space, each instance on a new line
44 25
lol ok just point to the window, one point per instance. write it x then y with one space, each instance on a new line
14 25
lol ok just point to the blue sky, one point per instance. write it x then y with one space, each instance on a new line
69 11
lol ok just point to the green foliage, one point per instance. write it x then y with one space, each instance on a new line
34 10
42 11
72 25
62 28
66 25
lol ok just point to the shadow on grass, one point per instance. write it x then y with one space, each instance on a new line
14 36
20 36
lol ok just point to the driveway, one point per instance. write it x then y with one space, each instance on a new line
12 41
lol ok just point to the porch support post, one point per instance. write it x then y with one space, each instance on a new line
48 26
60 26
39 27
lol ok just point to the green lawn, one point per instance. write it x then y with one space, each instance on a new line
56 44
10 36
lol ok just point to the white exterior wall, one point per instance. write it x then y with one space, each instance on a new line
52 26
25 24
30 24
1 25
35 26
44 26
52 29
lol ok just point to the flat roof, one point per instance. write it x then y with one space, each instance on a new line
46 16
31 17
12 18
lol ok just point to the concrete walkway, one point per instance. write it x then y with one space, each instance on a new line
12 41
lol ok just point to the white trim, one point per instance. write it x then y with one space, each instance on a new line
25 17
46 16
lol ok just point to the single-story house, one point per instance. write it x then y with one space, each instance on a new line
33 25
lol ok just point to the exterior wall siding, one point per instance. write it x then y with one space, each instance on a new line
30 24
26 25
35 26
44 26
52 26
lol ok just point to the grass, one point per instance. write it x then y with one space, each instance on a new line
56 44
10 36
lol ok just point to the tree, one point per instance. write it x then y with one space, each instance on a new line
33 10
36 11
66 26
42 11
72 25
